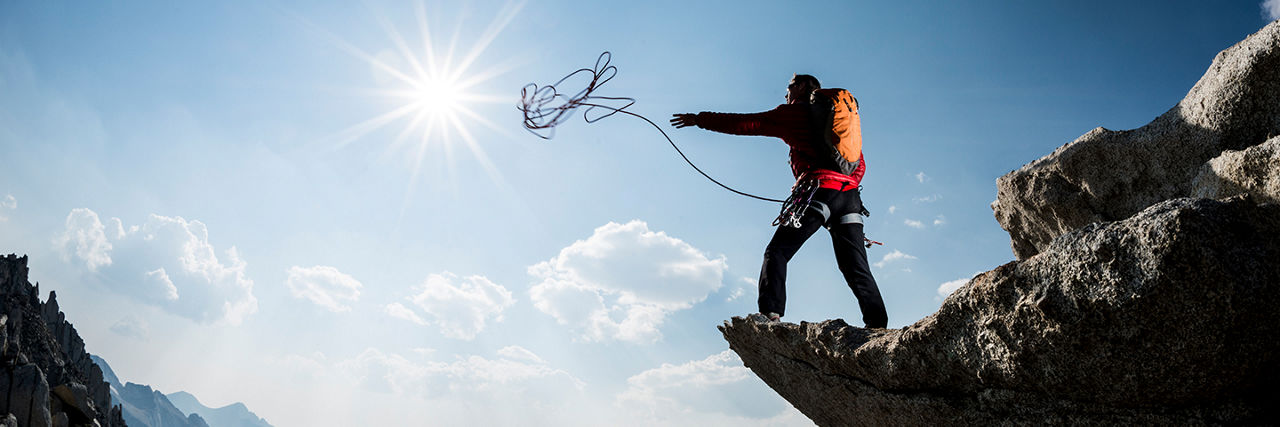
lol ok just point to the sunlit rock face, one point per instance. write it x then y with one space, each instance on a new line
1167 317
46 376
1145 289
1109 175
1254 171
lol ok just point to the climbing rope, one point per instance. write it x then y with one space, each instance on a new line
544 108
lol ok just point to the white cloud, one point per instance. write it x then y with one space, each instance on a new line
84 237
399 311
913 223
745 284
892 209
947 288
718 384
927 199
893 256
940 220
515 372
459 307
922 177
7 203
1272 9
515 352
162 283
131 326
167 262
621 282
323 285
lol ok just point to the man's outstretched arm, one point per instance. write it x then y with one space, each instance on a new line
776 122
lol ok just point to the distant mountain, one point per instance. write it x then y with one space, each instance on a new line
144 407
233 415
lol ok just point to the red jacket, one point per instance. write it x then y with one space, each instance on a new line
793 124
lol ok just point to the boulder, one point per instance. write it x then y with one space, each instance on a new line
1254 171
1110 175
1163 318
27 395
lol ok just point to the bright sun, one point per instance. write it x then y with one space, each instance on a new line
437 96
435 93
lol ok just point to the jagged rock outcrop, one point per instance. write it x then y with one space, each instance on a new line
1109 175
46 377
1130 302
1254 171
1136 321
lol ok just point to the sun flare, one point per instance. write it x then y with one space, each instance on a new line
437 96
432 92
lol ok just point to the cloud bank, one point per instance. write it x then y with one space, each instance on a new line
718 384
622 282
167 262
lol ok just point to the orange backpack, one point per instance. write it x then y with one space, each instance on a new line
836 112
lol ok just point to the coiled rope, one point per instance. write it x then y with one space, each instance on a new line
544 108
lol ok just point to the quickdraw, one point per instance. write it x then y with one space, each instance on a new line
797 203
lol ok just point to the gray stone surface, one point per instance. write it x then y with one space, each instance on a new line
26 394
37 336
1164 318
1109 175
1254 171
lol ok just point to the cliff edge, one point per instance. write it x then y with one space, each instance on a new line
1144 290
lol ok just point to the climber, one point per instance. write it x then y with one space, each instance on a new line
826 192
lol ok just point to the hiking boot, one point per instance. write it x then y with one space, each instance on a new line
765 317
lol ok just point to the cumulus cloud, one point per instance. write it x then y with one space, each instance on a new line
892 209
84 237
913 223
922 177
718 384
947 288
1271 9
622 282
896 255
167 262
8 203
131 326
459 307
323 285
940 220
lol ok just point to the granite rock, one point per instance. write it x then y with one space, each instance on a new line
1163 318
1110 175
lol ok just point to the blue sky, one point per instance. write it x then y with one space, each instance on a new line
195 182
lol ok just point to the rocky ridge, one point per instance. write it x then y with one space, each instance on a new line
1143 293
1110 175
46 376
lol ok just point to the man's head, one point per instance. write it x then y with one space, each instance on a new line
801 86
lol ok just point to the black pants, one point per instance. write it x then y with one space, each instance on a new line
851 256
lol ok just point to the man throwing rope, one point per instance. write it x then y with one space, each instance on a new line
821 197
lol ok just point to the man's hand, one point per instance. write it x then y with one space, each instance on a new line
684 120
